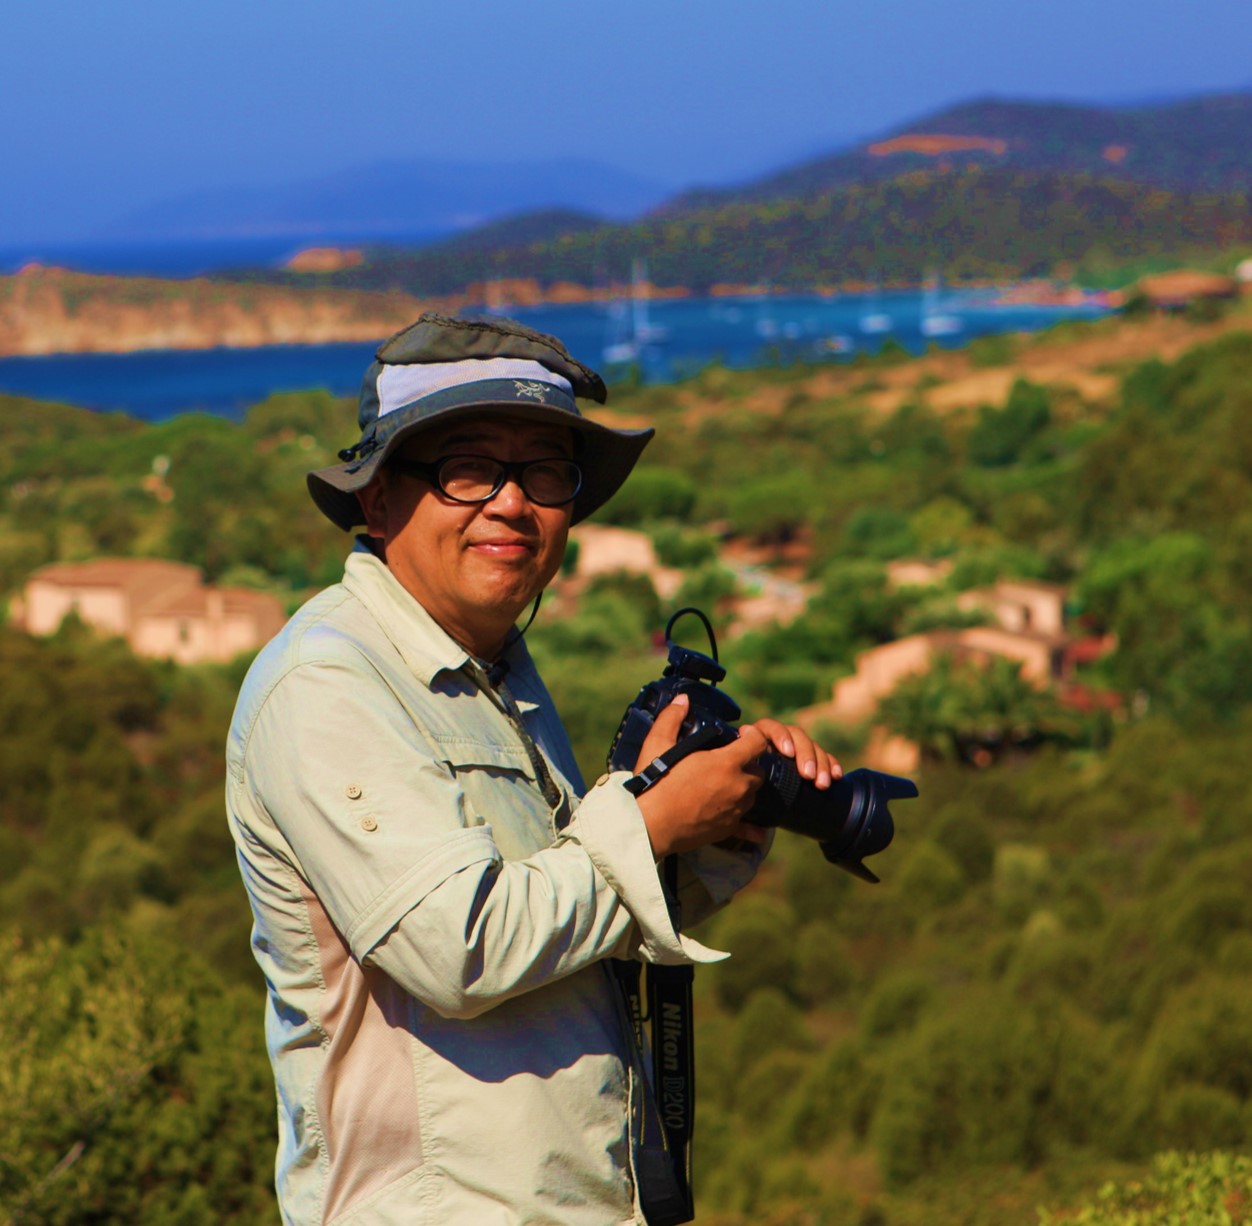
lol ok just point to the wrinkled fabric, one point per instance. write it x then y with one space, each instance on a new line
448 1045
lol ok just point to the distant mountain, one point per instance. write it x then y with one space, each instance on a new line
971 224
522 230
397 200
1198 144
991 189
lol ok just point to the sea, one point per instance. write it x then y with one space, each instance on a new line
664 341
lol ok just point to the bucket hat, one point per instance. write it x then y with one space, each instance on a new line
440 368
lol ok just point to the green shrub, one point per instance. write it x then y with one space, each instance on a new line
1022 878
967 838
823 967
122 1057
651 494
997 350
680 547
1202 1035
930 878
970 1088
1181 1190
759 932
1003 436
707 586
895 1005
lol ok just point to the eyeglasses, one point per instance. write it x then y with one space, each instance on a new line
479 478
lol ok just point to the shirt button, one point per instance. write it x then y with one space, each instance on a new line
369 824
353 791
602 781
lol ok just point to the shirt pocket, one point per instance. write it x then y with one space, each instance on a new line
498 788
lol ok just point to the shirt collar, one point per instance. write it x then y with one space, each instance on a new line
426 647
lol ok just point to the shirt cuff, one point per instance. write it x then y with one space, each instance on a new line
610 828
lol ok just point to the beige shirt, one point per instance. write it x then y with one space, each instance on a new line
447 1043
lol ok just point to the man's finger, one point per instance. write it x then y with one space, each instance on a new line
778 734
749 745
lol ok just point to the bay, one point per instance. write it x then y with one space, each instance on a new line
671 340
180 258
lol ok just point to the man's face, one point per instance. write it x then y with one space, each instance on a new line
473 567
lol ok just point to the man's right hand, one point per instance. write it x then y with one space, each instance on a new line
704 798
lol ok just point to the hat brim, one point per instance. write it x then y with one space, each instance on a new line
605 455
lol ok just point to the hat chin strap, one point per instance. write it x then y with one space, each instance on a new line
498 669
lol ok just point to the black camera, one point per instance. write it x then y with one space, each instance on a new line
850 819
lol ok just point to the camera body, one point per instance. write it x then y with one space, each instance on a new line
850 820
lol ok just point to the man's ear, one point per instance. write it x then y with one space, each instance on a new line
373 500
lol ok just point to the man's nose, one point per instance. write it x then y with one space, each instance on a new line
510 498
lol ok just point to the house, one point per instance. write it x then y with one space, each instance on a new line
1175 291
606 550
913 572
163 609
1025 623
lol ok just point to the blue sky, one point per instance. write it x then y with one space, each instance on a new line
110 106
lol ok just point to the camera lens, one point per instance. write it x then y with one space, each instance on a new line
850 819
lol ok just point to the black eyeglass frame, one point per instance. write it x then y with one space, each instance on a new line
429 471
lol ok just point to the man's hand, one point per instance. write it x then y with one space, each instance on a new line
704 798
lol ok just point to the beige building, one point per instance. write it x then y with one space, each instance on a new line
1026 623
605 550
163 609
1179 289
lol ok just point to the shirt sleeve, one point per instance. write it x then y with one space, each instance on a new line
377 826
710 876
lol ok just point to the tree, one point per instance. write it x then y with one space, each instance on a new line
1197 1189
1184 635
1002 436
970 711
136 1087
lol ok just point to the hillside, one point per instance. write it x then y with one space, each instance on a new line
1049 986
1198 145
972 224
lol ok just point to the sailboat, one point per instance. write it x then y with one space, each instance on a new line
874 320
630 328
934 321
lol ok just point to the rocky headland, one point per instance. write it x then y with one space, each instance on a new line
52 310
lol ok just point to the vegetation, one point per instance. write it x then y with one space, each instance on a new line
1192 145
1049 988
971 224
990 188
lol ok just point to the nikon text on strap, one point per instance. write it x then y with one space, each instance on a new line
665 1117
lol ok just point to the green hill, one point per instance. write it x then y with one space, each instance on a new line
1196 145
972 224
1049 987
990 189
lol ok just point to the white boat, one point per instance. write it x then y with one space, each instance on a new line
874 320
935 321
630 328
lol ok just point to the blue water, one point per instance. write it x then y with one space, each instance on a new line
184 257
742 332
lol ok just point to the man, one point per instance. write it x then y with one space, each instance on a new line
435 898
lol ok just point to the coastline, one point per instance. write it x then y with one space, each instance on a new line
47 311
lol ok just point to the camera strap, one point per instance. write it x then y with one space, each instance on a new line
655 771
671 1014
665 1115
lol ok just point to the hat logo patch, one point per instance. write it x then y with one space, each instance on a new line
536 391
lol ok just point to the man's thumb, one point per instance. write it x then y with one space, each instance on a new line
664 731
